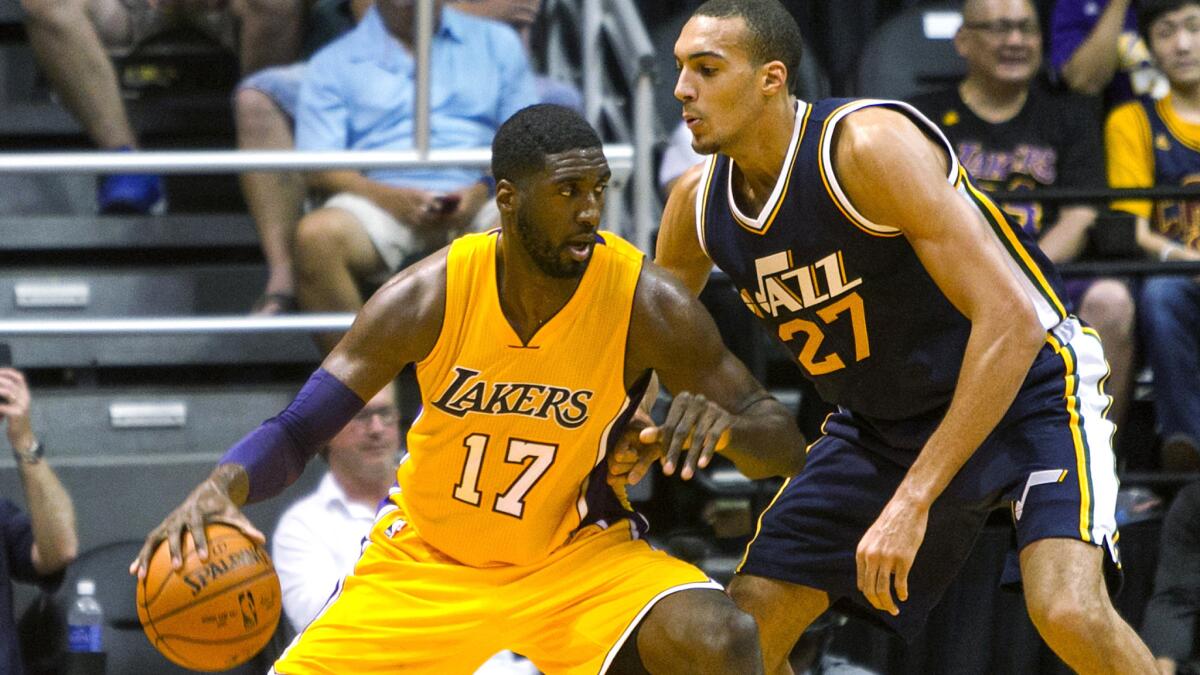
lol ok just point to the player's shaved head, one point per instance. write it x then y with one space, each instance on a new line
520 147
771 31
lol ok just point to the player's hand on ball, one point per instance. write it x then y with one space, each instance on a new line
209 502
631 458
694 424
886 552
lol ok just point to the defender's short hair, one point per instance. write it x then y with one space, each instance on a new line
520 147
771 28
1148 12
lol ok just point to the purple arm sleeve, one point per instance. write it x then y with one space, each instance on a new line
275 453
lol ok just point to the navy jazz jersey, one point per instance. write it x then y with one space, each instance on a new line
848 297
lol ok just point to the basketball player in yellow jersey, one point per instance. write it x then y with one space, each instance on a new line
533 345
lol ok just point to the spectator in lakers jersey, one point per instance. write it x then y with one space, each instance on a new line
934 323
1012 132
1095 48
502 531
1152 143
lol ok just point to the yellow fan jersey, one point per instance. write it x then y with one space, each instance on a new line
506 459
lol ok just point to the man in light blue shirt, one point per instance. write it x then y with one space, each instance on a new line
357 94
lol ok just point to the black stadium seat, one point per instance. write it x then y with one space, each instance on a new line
912 53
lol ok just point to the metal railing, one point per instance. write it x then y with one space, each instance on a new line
612 29
621 160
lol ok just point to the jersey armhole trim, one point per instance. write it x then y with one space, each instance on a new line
829 177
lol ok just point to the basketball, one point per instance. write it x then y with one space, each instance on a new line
211 615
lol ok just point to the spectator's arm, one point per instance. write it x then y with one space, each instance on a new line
1065 240
51 513
1131 164
307 569
1091 66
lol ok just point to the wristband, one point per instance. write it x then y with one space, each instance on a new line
275 453
1165 254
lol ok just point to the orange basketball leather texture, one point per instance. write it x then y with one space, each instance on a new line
212 615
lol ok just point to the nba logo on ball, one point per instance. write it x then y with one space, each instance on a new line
213 614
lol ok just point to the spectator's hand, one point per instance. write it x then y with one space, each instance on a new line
208 503
631 458
470 201
516 13
15 407
412 207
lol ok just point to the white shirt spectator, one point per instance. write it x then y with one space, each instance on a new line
318 541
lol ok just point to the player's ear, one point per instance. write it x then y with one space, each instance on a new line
774 78
507 196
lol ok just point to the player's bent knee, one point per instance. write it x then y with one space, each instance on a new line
705 631
1067 616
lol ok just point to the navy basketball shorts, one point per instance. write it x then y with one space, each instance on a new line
1049 461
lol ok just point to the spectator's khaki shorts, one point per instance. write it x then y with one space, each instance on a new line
396 242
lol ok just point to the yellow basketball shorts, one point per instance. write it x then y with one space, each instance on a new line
408 608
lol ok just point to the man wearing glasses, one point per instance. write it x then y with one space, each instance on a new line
1012 132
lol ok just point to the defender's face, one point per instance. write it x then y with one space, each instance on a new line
1001 41
559 211
717 81
1175 44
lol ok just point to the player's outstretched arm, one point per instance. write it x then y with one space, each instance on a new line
895 175
718 406
398 325
678 247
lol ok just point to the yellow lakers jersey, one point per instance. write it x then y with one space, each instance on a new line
505 460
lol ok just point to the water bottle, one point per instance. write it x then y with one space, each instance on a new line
85 632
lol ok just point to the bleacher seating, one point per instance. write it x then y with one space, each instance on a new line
912 52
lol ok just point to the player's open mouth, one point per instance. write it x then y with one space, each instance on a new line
580 250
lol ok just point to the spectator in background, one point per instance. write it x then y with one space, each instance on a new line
357 94
520 14
1095 48
1013 133
69 38
1169 624
265 107
319 538
1153 143
39 545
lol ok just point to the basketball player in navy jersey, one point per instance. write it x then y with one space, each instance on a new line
937 327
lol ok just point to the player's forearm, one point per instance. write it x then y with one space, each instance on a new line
51 517
764 441
274 455
1094 63
996 361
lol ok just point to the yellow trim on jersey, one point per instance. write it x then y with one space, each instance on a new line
1129 151
706 190
758 528
829 189
1187 134
1002 226
1072 399
789 164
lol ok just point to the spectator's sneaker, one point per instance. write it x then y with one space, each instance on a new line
139 194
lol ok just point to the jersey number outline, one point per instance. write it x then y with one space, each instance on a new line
807 357
511 502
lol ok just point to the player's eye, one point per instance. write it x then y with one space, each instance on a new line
566 189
